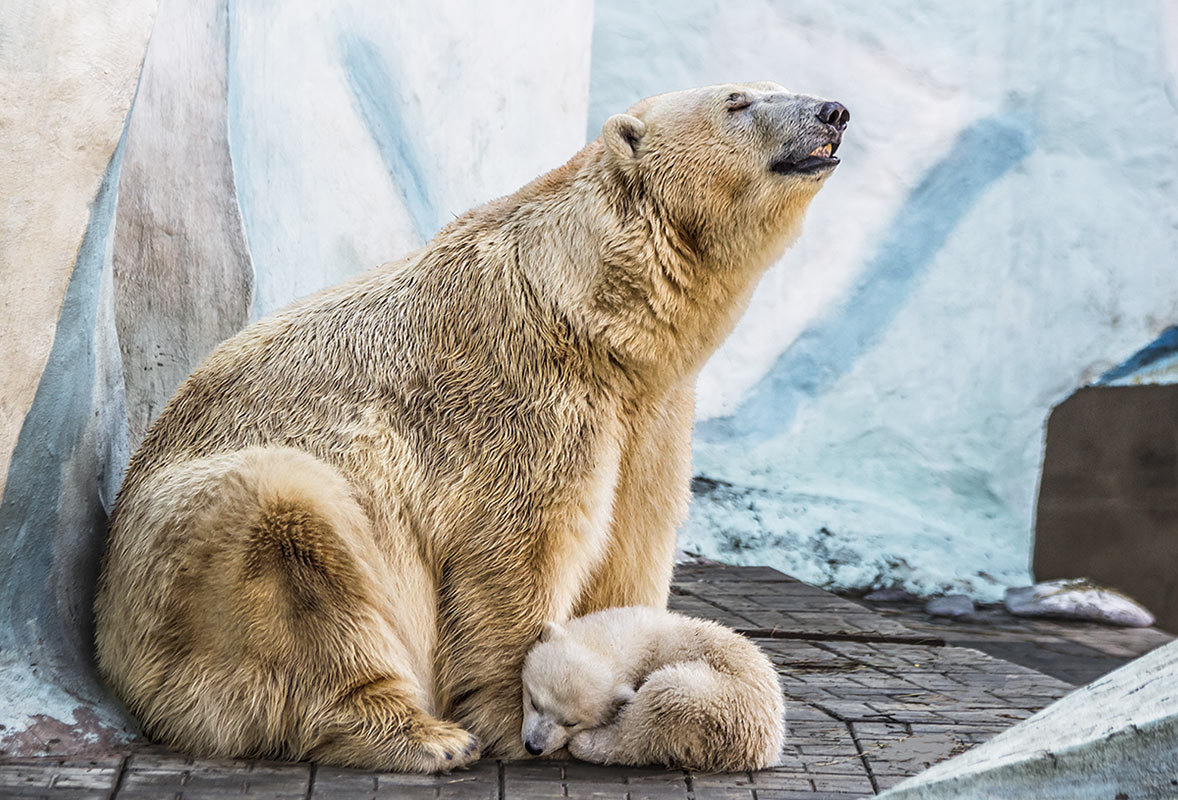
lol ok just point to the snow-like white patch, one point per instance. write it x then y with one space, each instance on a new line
1077 599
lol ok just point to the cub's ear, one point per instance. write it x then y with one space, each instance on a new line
624 694
622 134
551 631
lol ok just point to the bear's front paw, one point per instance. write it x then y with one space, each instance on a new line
445 747
597 746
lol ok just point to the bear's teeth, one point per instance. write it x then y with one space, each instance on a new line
823 150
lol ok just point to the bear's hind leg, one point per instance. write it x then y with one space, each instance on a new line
318 581
247 612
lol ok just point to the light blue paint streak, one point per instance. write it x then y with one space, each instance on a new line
56 422
371 84
823 353
1160 349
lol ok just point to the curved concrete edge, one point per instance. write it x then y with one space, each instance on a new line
62 476
1117 736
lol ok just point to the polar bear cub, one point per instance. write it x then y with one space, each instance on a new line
639 686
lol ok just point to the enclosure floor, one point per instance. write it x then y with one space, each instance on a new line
870 701
1076 652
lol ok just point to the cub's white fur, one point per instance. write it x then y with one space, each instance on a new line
638 685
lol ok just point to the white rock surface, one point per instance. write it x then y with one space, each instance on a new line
1114 738
890 594
1156 363
956 606
877 417
68 73
1077 599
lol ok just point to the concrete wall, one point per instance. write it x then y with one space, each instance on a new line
68 73
358 129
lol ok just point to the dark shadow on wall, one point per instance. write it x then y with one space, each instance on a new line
1108 499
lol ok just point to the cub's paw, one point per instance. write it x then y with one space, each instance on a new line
446 746
597 745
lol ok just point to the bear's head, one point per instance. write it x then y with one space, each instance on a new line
567 688
728 166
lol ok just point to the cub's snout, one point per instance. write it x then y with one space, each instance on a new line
543 736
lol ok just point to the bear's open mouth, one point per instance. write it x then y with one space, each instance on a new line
820 158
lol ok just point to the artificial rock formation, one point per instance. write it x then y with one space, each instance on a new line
182 270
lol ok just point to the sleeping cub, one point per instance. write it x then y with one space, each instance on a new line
640 686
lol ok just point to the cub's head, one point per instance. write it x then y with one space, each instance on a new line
567 688
735 160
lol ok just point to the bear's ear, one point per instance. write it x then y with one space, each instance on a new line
622 133
551 631
624 694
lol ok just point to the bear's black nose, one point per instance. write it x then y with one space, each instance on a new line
533 749
834 114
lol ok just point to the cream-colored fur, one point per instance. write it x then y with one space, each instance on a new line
341 536
639 685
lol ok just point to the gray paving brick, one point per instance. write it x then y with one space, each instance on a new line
59 778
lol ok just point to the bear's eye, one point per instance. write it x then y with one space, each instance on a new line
569 724
737 100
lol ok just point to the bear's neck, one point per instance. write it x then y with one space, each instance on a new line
658 298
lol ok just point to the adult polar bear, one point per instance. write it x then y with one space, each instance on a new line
342 535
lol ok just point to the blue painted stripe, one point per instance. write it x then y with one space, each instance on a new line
1160 349
823 353
372 89
53 430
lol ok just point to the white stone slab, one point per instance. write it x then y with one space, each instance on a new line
1116 737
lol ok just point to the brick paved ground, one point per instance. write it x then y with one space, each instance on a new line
870 701
1076 652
